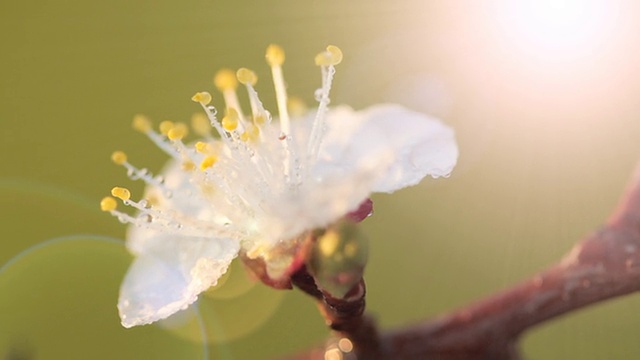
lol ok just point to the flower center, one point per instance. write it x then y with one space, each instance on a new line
237 177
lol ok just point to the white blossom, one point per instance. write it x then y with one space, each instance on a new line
261 184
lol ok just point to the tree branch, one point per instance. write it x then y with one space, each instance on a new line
604 265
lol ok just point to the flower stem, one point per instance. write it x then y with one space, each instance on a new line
344 316
604 265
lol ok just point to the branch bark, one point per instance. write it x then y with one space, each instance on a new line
604 265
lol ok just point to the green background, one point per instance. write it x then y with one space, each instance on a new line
547 139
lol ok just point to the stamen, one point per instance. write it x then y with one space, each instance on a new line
165 127
230 121
163 221
177 132
141 123
175 135
108 204
275 58
119 157
248 78
203 98
330 57
326 60
146 216
121 193
211 114
239 153
208 162
202 147
274 55
226 82
225 79
252 133
260 120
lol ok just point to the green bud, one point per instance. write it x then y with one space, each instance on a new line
338 257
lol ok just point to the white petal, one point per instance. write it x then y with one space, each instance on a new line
170 274
332 193
418 144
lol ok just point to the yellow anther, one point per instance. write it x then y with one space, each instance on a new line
233 113
208 162
246 76
200 124
203 97
178 132
119 157
331 56
274 55
141 123
336 54
188 165
259 119
202 147
229 123
108 204
225 79
121 193
250 134
296 107
165 126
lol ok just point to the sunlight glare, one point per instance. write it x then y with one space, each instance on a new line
559 27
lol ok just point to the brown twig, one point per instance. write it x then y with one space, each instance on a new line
604 265
343 316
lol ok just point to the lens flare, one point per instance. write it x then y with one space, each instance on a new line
558 27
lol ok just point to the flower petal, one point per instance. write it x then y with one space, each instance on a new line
334 192
170 274
418 144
